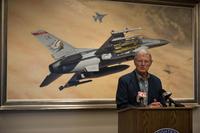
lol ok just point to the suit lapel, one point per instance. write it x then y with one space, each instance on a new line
150 90
135 81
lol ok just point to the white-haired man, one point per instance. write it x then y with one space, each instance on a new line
140 88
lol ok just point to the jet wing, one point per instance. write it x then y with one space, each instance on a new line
49 79
74 81
56 46
76 77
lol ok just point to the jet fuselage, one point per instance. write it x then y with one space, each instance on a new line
125 52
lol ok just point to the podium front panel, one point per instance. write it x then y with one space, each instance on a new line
148 120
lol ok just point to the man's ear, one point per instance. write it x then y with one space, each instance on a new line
151 62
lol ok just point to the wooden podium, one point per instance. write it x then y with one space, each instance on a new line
149 120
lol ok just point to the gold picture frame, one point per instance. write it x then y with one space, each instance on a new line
14 40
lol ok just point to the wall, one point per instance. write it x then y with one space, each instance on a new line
67 121
59 121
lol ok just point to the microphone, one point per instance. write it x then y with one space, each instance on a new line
168 99
141 101
140 98
166 94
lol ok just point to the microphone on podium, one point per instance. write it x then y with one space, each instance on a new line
166 95
140 98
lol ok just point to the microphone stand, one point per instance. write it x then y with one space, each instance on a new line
176 104
169 100
141 102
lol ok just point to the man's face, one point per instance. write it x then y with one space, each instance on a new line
142 62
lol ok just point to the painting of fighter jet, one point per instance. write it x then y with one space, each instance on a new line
72 21
90 63
99 17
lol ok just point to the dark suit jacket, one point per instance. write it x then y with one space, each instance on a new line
128 88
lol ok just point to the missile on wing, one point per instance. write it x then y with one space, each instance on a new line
121 39
123 44
125 30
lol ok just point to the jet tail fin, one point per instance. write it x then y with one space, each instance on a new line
56 46
49 79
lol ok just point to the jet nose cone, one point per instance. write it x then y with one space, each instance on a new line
163 42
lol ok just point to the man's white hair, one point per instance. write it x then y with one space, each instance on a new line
143 51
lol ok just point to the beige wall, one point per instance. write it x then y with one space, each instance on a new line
59 121
67 121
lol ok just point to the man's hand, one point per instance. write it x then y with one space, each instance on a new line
155 104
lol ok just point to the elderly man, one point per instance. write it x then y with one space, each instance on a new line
140 88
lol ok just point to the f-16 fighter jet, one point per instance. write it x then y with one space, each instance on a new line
99 17
90 63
